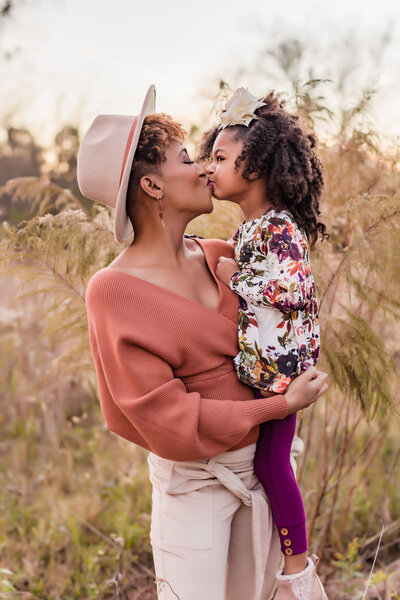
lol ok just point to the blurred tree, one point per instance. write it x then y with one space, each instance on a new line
5 8
7 12
63 171
66 145
29 172
20 156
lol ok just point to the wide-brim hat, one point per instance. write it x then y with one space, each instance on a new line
105 160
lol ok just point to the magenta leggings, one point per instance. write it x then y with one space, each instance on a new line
273 469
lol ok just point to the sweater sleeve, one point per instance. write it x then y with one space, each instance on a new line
155 409
279 281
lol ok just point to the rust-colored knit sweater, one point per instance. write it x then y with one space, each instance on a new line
164 366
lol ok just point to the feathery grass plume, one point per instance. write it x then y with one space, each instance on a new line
39 194
360 364
54 256
359 297
308 105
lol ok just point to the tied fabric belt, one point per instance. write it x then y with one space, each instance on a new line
183 477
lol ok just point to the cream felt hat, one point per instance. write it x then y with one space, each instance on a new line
105 160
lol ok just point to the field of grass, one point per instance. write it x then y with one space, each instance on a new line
75 499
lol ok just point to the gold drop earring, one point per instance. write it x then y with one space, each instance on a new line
161 210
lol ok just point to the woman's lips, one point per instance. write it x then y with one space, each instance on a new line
210 183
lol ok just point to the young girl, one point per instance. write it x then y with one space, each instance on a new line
265 162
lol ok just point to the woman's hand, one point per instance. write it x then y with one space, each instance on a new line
305 389
225 269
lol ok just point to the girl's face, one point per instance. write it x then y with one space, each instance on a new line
185 182
225 179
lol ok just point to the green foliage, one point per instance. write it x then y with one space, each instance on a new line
349 561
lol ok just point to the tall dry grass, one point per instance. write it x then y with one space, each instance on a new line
75 499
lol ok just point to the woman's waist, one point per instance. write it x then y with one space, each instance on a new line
236 459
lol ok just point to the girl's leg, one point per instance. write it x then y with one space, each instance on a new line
273 469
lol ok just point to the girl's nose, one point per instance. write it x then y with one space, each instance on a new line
210 169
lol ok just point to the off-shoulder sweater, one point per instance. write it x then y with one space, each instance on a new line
164 365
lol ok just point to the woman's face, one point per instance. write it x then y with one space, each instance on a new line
226 180
185 182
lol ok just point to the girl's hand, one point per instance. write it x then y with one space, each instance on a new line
305 389
226 268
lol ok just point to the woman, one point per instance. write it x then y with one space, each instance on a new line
163 334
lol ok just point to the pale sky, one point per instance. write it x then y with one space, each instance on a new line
79 58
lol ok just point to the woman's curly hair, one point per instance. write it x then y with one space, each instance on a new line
276 147
157 133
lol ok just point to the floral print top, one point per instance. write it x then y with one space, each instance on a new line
278 314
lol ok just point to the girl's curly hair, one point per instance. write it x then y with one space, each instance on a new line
276 147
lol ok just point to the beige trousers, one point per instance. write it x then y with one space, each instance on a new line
212 531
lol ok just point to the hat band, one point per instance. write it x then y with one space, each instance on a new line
128 145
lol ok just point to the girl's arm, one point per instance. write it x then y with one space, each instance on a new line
283 294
